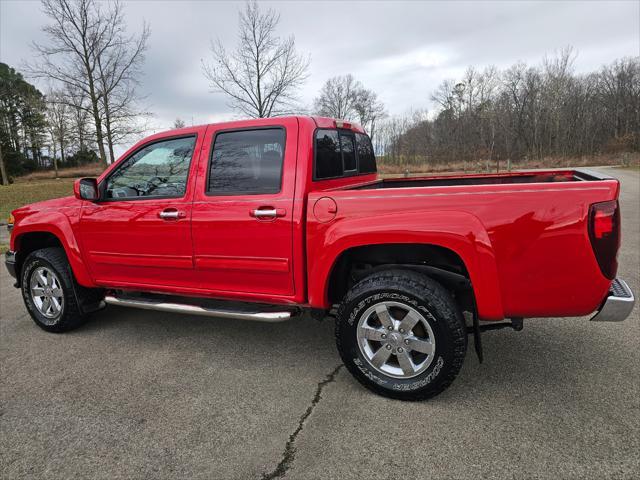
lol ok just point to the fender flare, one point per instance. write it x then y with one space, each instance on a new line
57 224
460 232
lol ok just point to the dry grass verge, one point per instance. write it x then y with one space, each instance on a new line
481 166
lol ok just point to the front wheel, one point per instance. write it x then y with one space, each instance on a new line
401 335
51 293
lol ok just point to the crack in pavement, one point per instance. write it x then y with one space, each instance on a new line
290 450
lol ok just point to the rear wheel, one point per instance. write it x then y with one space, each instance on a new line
51 293
401 335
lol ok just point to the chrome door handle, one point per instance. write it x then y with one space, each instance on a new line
171 215
271 213
268 213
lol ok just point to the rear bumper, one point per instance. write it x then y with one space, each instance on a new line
10 262
618 304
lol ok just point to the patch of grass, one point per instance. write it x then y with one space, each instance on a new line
89 170
635 167
25 192
4 247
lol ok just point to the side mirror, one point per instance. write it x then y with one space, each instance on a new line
86 189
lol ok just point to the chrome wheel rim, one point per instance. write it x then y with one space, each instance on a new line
46 293
396 339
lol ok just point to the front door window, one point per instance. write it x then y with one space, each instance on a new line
158 170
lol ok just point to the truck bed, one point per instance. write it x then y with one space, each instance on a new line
551 176
525 234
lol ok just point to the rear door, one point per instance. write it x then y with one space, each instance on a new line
242 223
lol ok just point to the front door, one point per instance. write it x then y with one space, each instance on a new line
243 208
139 233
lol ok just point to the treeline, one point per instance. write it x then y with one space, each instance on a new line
92 66
521 113
35 130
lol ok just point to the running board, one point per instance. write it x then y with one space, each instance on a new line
162 306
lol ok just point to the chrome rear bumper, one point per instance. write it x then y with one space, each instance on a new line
618 305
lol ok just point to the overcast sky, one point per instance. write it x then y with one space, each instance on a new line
402 50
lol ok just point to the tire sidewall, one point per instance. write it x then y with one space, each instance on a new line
360 367
32 263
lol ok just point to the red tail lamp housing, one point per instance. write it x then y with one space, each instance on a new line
604 232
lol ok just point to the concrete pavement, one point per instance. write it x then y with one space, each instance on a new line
139 394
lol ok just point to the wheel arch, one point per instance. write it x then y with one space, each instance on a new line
462 247
32 237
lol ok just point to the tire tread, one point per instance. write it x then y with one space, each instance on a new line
421 287
72 316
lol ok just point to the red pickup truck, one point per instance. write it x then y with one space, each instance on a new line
267 219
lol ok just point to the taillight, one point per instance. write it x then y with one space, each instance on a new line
604 232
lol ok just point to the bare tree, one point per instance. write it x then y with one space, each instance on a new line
369 110
119 68
178 123
346 98
88 52
80 118
338 97
58 120
262 75
78 33
124 119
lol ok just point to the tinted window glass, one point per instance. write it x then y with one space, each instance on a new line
348 153
366 158
158 170
328 158
247 162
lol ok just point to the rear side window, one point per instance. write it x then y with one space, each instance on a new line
328 155
340 154
247 162
366 158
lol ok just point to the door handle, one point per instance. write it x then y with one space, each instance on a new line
171 214
268 213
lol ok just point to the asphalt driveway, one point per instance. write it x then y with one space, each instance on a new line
138 394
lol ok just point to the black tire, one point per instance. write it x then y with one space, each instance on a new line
436 306
72 313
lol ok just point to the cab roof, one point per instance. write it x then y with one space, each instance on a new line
320 122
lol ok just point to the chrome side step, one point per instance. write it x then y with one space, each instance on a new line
163 306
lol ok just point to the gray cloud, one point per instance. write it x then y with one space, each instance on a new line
403 50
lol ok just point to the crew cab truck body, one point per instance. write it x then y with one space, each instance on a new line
263 219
